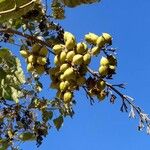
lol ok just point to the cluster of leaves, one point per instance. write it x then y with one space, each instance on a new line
24 115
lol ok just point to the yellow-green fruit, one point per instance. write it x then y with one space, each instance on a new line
80 48
67 97
103 70
104 61
95 50
57 60
69 73
24 53
68 35
91 38
40 69
101 96
62 56
36 48
41 60
100 41
62 77
58 48
107 37
30 67
63 85
70 55
87 58
63 67
113 68
27 136
31 59
43 51
101 85
81 81
70 43
77 59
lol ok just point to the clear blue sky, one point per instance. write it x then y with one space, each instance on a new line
103 126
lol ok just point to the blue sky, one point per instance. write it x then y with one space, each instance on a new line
103 126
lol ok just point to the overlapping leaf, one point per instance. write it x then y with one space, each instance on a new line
11 76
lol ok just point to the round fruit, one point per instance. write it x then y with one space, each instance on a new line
80 48
68 35
56 60
43 51
67 97
24 53
70 43
91 38
30 67
103 70
101 96
63 86
87 58
36 48
69 73
70 55
113 68
58 49
77 59
100 41
62 56
31 59
41 60
107 37
104 61
101 85
95 50
63 67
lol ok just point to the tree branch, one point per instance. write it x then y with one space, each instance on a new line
27 36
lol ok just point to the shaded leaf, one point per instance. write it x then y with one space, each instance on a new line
58 122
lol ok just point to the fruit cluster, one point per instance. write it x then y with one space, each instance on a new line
74 3
98 41
96 87
107 65
71 61
36 58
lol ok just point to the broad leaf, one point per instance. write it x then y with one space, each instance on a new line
11 76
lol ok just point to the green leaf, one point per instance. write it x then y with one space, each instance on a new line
11 76
58 122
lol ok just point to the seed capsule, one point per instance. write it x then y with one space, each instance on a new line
77 59
24 53
100 41
41 60
95 50
67 97
62 56
58 49
91 38
43 51
104 61
70 55
64 67
30 67
103 70
87 58
107 37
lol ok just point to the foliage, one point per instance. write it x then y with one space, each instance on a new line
49 50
